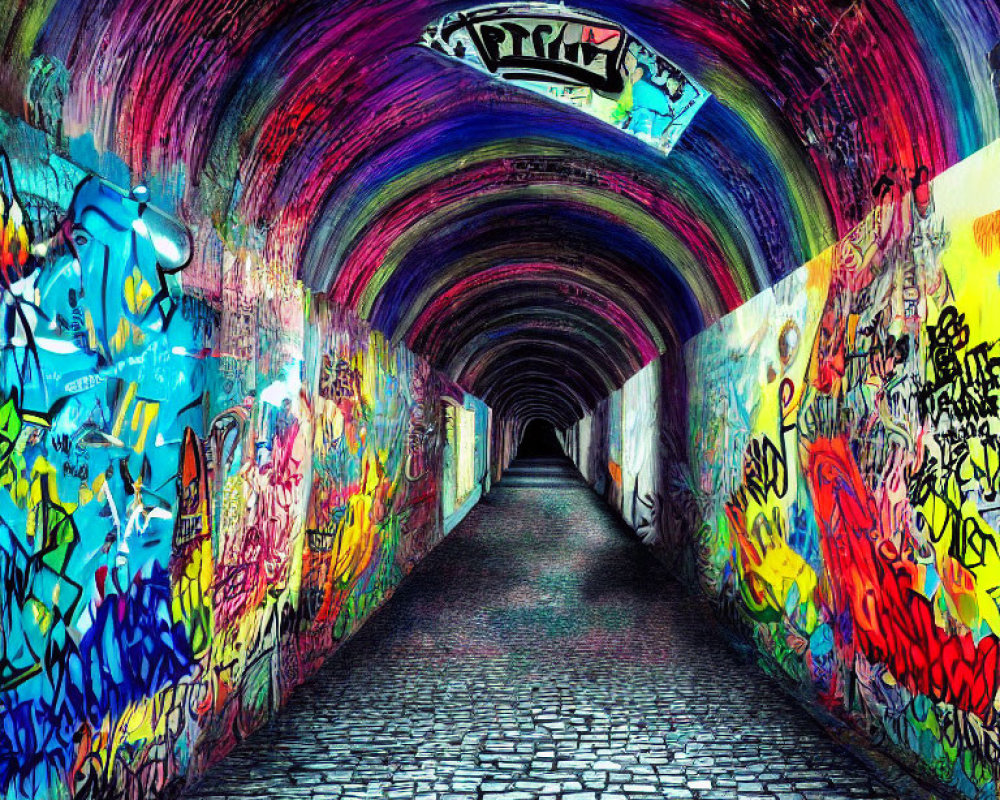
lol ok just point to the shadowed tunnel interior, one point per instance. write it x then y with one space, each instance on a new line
286 285
539 441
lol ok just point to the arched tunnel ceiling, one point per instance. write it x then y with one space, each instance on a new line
538 255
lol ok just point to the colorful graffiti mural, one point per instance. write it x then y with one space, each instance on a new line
259 468
578 59
843 459
410 186
198 501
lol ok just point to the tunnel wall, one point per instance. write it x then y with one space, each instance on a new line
843 436
466 459
505 438
209 478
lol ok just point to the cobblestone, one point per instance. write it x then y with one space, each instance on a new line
539 651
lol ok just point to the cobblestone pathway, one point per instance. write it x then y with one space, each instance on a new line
539 652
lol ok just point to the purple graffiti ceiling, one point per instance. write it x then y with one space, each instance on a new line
536 253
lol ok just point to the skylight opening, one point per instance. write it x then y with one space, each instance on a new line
577 59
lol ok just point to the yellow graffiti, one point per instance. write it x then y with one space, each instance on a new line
192 595
966 586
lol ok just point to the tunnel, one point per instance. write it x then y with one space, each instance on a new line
446 399
539 440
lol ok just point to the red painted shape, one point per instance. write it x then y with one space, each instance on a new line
890 621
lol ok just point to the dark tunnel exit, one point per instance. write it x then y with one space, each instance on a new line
540 441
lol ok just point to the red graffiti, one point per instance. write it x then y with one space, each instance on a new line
15 234
986 230
258 561
890 621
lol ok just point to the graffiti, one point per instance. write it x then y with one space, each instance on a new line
765 473
577 59
18 311
965 384
101 218
45 92
338 382
203 318
197 501
191 565
858 533
986 229
464 457
892 623
640 438
844 453
556 47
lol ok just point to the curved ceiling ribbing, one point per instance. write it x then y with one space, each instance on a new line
494 231
435 318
